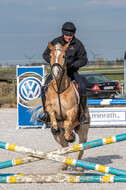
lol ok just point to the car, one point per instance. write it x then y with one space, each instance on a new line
99 86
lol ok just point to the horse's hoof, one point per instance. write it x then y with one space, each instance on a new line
55 132
72 138
63 167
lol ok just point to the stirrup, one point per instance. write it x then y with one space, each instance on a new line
84 119
44 119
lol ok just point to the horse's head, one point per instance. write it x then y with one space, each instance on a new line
57 59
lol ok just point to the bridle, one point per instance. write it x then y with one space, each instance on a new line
62 71
58 86
57 64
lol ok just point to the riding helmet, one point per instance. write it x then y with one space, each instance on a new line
68 29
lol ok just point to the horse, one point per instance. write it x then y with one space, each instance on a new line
62 102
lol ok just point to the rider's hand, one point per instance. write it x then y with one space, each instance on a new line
69 65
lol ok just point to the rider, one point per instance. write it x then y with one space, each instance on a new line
76 57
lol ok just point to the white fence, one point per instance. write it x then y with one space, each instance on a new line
110 116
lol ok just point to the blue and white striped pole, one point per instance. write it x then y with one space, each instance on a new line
106 102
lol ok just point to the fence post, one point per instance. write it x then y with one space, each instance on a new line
125 74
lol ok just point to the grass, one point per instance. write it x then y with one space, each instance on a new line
8 70
113 73
8 99
99 69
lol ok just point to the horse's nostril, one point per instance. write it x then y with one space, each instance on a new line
56 72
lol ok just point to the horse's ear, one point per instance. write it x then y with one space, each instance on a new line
65 47
50 46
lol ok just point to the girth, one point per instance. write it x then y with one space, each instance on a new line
61 120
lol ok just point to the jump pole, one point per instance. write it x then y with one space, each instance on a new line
25 160
106 102
66 160
74 162
91 144
74 148
18 161
60 178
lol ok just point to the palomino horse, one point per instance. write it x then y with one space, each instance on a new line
62 102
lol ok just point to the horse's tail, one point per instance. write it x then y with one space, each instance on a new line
35 109
35 102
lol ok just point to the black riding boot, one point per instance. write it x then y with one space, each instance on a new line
83 116
45 117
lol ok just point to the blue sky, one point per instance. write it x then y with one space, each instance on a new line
26 26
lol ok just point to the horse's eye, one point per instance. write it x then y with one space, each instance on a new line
63 56
50 56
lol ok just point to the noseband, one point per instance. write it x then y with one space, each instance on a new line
59 66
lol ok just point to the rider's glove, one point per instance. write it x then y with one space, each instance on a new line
69 65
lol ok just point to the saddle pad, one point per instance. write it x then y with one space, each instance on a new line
77 90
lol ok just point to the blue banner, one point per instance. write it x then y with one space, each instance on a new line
29 83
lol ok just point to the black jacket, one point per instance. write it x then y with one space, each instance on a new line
75 54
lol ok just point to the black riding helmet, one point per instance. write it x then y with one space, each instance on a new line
68 29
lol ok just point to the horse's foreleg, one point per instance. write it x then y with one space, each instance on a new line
82 131
53 119
69 135
60 139
54 126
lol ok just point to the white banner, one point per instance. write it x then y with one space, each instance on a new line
108 116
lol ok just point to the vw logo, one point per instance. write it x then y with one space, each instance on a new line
30 88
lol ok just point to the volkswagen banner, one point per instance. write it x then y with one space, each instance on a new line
29 83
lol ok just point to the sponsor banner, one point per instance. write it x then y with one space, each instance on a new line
108 116
29 83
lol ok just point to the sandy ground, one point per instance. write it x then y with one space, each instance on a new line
113 155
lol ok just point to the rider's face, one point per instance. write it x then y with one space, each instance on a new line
68 38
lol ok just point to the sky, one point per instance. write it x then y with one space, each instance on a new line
26 26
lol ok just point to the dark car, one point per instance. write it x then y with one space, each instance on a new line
99 86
